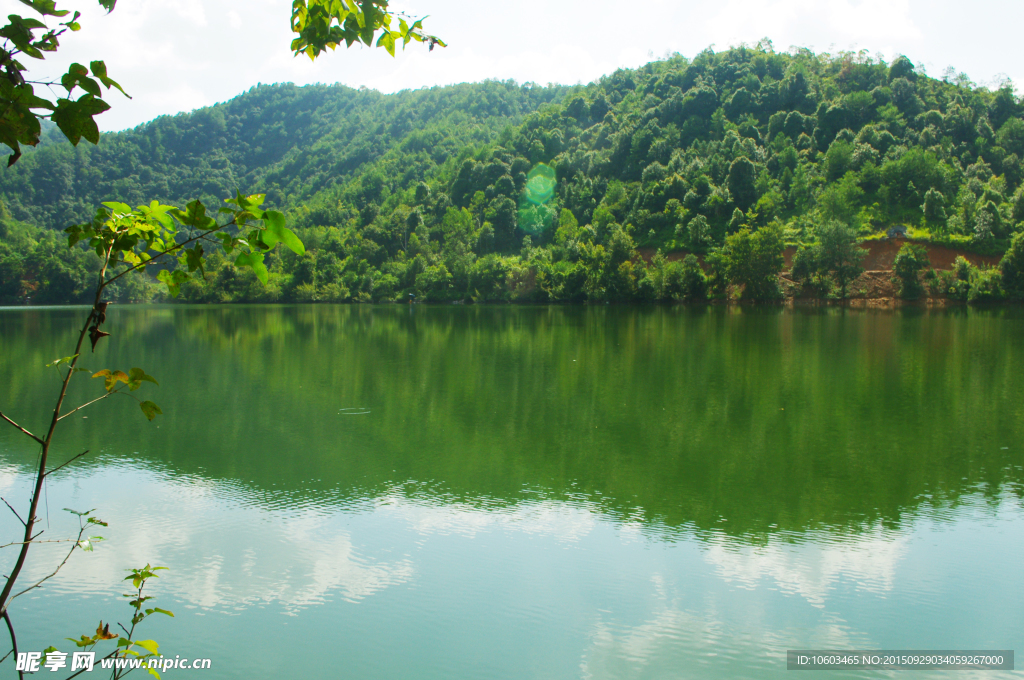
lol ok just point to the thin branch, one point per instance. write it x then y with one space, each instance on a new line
37 492
14 640
49 540
23 430
12 509
88 403
108 656
68 462
59 566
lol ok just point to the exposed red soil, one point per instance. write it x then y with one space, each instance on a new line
881 254
875 285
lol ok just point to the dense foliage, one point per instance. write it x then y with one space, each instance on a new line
494 191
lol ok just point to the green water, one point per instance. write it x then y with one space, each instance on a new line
503 492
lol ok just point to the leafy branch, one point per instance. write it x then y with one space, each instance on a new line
126 644
19 122
325 24
84 522
136 239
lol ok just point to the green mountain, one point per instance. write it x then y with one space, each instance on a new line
495 191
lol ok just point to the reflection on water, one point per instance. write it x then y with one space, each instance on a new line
542 492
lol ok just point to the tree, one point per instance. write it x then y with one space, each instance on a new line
909 262
839 200
754 260
934 207
1012 268
736 220
839 254
805 265
700 232
742 177
694 283
983 226
568 227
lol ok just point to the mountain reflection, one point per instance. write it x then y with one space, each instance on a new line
746 422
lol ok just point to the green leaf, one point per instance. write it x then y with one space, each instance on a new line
118 208
275 226
75 118
227 242
85 641
149 645
194 259
99 69
58 362
87 544
387 41
255 261
80 514
173 279
163 611
150 409
293 242
111 378
136 375
30 23
74 235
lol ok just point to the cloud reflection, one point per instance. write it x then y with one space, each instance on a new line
811 567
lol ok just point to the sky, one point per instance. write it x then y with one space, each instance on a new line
179 55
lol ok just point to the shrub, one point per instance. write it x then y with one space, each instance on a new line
908 264
986 286
805 265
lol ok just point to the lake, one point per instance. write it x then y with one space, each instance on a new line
532 492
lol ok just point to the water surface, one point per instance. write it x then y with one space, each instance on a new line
532 492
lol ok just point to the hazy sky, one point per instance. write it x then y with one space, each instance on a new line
178 55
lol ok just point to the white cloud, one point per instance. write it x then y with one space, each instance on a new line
215 49
878 24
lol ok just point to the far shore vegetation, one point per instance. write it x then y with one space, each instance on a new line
745 174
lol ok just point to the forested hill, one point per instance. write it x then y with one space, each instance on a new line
498 191
289 142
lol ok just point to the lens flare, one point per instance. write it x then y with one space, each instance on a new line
540 185
536 209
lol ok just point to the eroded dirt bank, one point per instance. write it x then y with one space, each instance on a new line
875 285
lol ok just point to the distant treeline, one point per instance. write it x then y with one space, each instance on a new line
495 191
